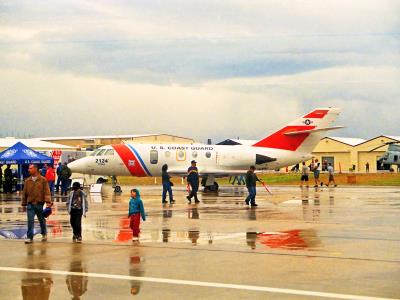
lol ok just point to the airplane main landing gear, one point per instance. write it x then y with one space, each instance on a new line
209 183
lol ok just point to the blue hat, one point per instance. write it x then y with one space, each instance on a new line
47 212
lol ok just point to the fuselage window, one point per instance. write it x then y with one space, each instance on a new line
181 155
153 157
167 154
194 154
109 152
208 154
101 152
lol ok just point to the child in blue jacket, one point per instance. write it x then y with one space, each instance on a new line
136 211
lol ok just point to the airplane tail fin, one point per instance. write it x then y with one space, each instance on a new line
304 133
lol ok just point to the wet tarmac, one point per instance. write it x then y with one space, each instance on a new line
298 244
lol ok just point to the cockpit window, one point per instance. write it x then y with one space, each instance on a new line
94 153
109 152
101 152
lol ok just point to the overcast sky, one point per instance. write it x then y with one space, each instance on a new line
201 69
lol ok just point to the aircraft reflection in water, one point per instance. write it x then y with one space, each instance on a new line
296 239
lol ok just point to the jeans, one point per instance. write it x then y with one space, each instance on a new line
58 184
64 185
32 210
251 198
167 188
193 193
51 186
76 222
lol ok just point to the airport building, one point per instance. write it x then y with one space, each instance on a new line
94 142
35 144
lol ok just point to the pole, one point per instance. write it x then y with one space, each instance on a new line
265 186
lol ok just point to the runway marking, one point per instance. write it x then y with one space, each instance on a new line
199 283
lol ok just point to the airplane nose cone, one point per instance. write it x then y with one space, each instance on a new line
76 166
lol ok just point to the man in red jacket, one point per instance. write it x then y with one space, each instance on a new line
51 177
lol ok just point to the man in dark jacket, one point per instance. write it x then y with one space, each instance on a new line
8 179
58 172
1 176
166 182
36 192
251 184
65 174
193 180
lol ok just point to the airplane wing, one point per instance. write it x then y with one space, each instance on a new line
313 130
216 173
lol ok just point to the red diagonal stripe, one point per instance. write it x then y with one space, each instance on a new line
130 160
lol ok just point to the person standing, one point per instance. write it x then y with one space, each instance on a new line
77 206
331 175
304 174
65 174
193 181
167 185
51 177
251 184
8 179
58 172
36 192
317 171
1 176
136 211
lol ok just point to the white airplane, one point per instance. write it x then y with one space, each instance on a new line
289 145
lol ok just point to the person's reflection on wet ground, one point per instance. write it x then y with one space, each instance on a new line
251 214
305 203
166 233
305 195
194 236
193 213
36 286
77 285
210 238
136 269
316 208
251 238
167 213
331 200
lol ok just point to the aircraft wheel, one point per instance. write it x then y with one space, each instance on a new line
117 189
100 180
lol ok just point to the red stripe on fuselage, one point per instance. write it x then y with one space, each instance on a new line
279 140
130 160
317 114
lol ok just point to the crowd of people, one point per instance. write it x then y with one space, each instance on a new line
315 168
40 186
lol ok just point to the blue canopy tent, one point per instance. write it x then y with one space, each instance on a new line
20 155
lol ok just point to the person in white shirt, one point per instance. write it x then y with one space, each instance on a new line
316 170
304 174
331 175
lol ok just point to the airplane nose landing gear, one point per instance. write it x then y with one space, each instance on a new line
117 188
